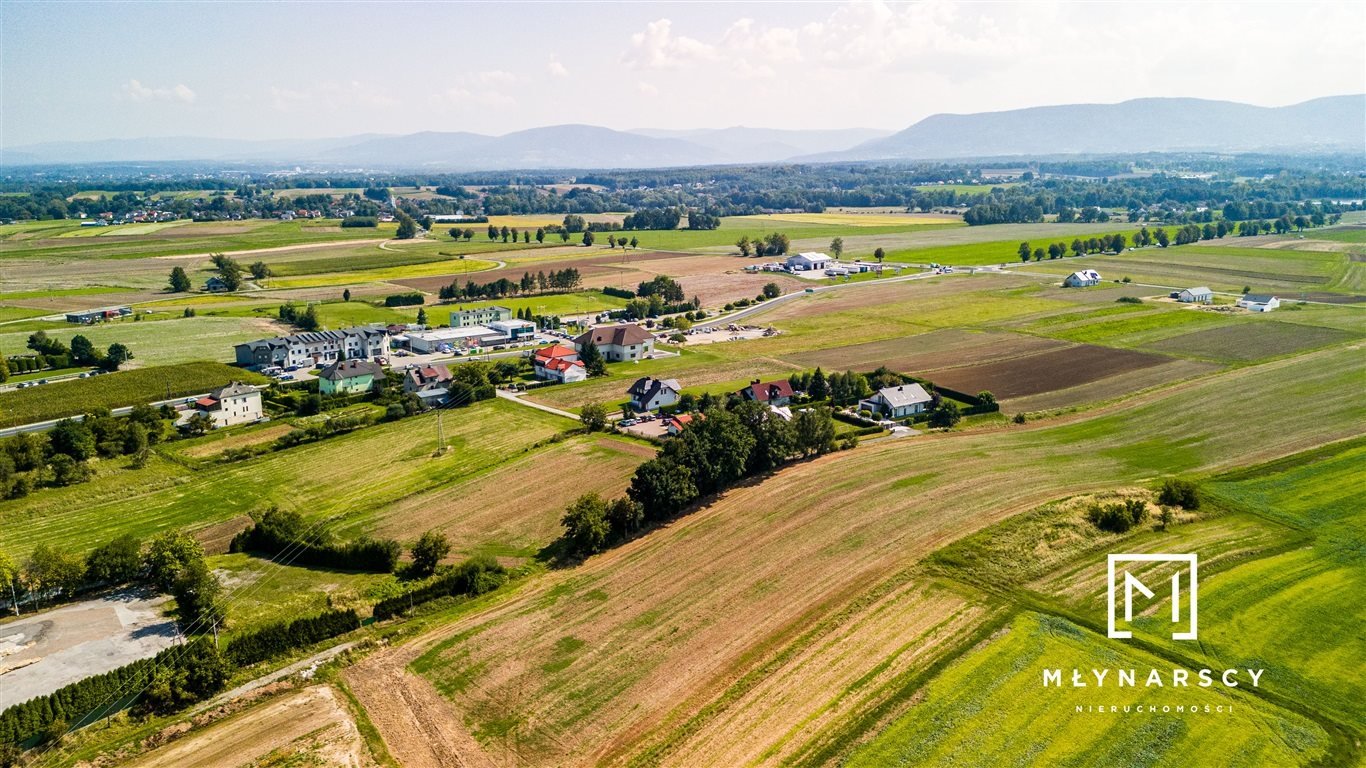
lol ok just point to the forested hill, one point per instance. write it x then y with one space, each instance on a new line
1336 123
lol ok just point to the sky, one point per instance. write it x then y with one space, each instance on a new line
270 70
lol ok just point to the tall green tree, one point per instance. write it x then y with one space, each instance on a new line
427 552
180 282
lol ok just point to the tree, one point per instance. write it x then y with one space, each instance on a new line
407 228
1024 251
1166 517
588 237
346 294
772 291
72 438
180 282
1038 254
624 515
50 569
986 398
1162 238
592 359
82 351
837 247
1176 492
879 254
586 528
117 562
611 241
635 242
819 388
662 487
564 235
166 556
594 417
9 575
421 316
574 223
428 551
743 245
540 234
199 596
199 423
945 415
814 431
115 356
260 271
4 369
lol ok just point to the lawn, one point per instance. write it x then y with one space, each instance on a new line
263 591
131 387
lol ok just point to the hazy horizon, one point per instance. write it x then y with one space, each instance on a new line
257 71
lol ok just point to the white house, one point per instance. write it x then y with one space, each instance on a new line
237 403
1201 295
898 402
1081 279
542 359
1259 302
562 370
648 393
618 343
802 262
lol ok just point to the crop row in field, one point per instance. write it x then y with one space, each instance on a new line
640 652
1045 371
131 387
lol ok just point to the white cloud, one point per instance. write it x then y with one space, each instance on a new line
134 90
332 96
659 48
555 69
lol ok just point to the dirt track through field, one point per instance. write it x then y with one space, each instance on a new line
313 721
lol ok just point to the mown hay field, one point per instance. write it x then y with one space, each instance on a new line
1251 341
633 655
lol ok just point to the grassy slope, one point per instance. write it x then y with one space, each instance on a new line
185 237
343 480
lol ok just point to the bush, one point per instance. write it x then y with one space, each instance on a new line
473 577
278 532
281 637
1129 300
1175 492
360 221
404 299
1118 518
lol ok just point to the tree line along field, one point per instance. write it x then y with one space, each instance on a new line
724 636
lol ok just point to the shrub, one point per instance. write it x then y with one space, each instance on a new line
281 637
404 299
1129 300
1179 493
473 577
360 221
279 531
1118 518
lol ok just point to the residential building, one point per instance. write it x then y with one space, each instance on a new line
428 382
464 318
450 339
215 284
1082 279
346 377
647 394
675 424
514 330
545 355
1259 302
898 402
802 262
313 348
88 316
562 370
1201 295
774 393
236 403
618 343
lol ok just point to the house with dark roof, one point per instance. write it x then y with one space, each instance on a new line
898 402
1259 302
426 381
618 343
346 377
314 348
648 394
774 393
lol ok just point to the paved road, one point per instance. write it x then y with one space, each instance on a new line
506 395
43 426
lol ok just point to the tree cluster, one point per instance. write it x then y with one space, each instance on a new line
476 576
281 637
284 533
558 280
773 244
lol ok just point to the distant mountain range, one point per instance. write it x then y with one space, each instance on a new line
1333 124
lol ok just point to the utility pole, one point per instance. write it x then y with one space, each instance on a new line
440 437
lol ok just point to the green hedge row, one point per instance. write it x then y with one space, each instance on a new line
281 637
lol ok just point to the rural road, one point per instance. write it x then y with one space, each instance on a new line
279 674
506 395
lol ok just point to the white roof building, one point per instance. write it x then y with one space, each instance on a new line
808 260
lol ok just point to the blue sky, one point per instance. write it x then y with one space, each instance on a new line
75 71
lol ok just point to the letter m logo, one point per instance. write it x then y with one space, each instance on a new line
1131 584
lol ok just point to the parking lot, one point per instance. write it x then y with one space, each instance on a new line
42 652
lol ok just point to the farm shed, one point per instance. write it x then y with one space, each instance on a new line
1259 302
1201 295
809 260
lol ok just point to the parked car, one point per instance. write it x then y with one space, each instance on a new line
286 377
84 375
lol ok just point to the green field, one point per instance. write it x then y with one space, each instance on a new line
47 240
131 387
387 462
158 342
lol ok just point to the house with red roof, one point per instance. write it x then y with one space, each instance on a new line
775 393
